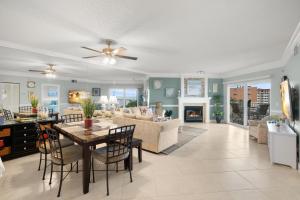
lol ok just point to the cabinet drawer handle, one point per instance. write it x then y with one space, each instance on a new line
25 134
25 141
25 148
25 127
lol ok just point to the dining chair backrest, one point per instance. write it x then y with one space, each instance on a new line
235 108
7 114
263 109
50 111
25 109
42 137
55 146
72 118
119 143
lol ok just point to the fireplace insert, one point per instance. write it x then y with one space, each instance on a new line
193 114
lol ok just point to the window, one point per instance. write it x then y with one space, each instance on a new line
127 97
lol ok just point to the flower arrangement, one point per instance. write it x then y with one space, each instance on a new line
34 101
88 107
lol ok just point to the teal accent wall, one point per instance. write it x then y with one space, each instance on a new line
160 94
211 93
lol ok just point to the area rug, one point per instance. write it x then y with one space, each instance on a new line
185 135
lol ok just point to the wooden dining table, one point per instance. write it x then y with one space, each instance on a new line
87 138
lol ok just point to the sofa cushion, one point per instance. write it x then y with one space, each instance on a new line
129 115
146 118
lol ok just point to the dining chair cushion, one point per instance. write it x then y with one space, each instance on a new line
70 154
65 142
100 154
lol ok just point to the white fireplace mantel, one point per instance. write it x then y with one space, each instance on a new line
194 101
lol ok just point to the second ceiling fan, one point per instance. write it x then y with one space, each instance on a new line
109 53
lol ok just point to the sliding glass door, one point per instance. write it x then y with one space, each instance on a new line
248 101
237 103
258 105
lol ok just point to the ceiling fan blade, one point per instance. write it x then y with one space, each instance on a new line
91 56
118 50
127 57
33 70
92 50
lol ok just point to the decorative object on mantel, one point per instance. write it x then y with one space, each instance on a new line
170 92
96 92
34 103
157 84
158 109
30 84
88 107
218 111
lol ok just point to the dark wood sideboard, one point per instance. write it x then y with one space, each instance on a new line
20 138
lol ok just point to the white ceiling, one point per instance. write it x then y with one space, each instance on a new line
168 37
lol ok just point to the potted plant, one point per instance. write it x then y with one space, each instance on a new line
88 107
34 103
218 111
168 113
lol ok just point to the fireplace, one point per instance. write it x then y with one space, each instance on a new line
193 113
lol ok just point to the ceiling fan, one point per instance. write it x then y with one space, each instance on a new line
109 53
49 71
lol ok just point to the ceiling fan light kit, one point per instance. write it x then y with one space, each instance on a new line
49 72
109 53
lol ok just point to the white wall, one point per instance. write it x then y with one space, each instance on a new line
65 86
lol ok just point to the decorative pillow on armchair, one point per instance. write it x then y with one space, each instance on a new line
127 110
143 110
136 111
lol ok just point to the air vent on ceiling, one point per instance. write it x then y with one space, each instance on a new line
74 81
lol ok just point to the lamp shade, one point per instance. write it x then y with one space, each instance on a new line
103 100
113 100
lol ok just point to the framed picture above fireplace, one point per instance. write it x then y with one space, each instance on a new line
194 87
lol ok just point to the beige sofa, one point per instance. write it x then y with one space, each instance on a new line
156 136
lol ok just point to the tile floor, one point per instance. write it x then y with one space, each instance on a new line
221 164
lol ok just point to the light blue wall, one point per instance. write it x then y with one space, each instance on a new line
65 86
160 94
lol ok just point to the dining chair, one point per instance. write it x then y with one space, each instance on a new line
7 114
44 146
117 149
72 118
62 156
25 109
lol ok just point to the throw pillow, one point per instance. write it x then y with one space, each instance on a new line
129 115
146 118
